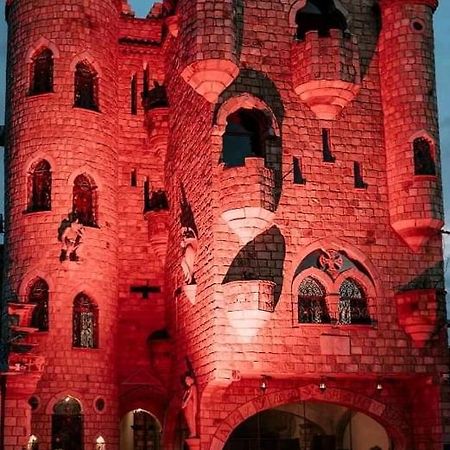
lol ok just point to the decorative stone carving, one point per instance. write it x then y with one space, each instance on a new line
190 404
70 234
331 261
189 245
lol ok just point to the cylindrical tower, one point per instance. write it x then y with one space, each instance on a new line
210 39
61 190
410 113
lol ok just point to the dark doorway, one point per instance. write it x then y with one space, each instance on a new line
67 425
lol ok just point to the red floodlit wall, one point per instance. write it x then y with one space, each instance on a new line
209 283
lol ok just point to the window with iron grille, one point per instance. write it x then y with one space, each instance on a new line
85 322
40 187
38 295
85 201
86 87
353 307
423 158
42 72
312 307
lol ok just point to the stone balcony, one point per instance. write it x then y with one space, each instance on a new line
326 72
247 198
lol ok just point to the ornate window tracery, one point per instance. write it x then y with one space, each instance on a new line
86 87
423 158
312 307
40 187
353 307
38 295
85 322
85 201
42 72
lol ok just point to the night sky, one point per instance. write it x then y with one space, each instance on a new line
442 26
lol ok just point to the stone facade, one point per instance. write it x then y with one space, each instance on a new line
194 267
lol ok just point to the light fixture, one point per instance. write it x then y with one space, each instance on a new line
379 386
264 384
67 399
322 385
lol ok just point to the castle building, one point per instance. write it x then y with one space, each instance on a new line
223 227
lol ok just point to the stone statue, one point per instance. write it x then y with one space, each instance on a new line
189 245
189 404
70 234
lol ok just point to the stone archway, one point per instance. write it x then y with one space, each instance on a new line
390 418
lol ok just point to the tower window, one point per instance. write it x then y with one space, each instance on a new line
133 94
40 187
321 16
353 304
42 72
85 322
38 295
86 87
423 159
312 307
84 200
245 136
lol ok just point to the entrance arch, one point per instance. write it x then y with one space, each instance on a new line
308 426
390 418
140 430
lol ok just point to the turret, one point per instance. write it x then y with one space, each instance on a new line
410 113
209 42
61 186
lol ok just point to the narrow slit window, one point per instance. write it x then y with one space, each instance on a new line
297 171
358 177
423 158
326 146
42 72
134 101
133 178
86 87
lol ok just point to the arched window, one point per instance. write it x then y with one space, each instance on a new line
40 187
86 87
312 307
84 204
67 425
85 322
321 16
423 158
245 135
353 304
42 72
38 295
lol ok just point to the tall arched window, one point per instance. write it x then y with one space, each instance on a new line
312 307
245 135
67 425
321 16
423 158
38 295
42 72
86 86
85 322
40 187
84 204
353 307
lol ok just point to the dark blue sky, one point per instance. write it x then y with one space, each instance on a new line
442 26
